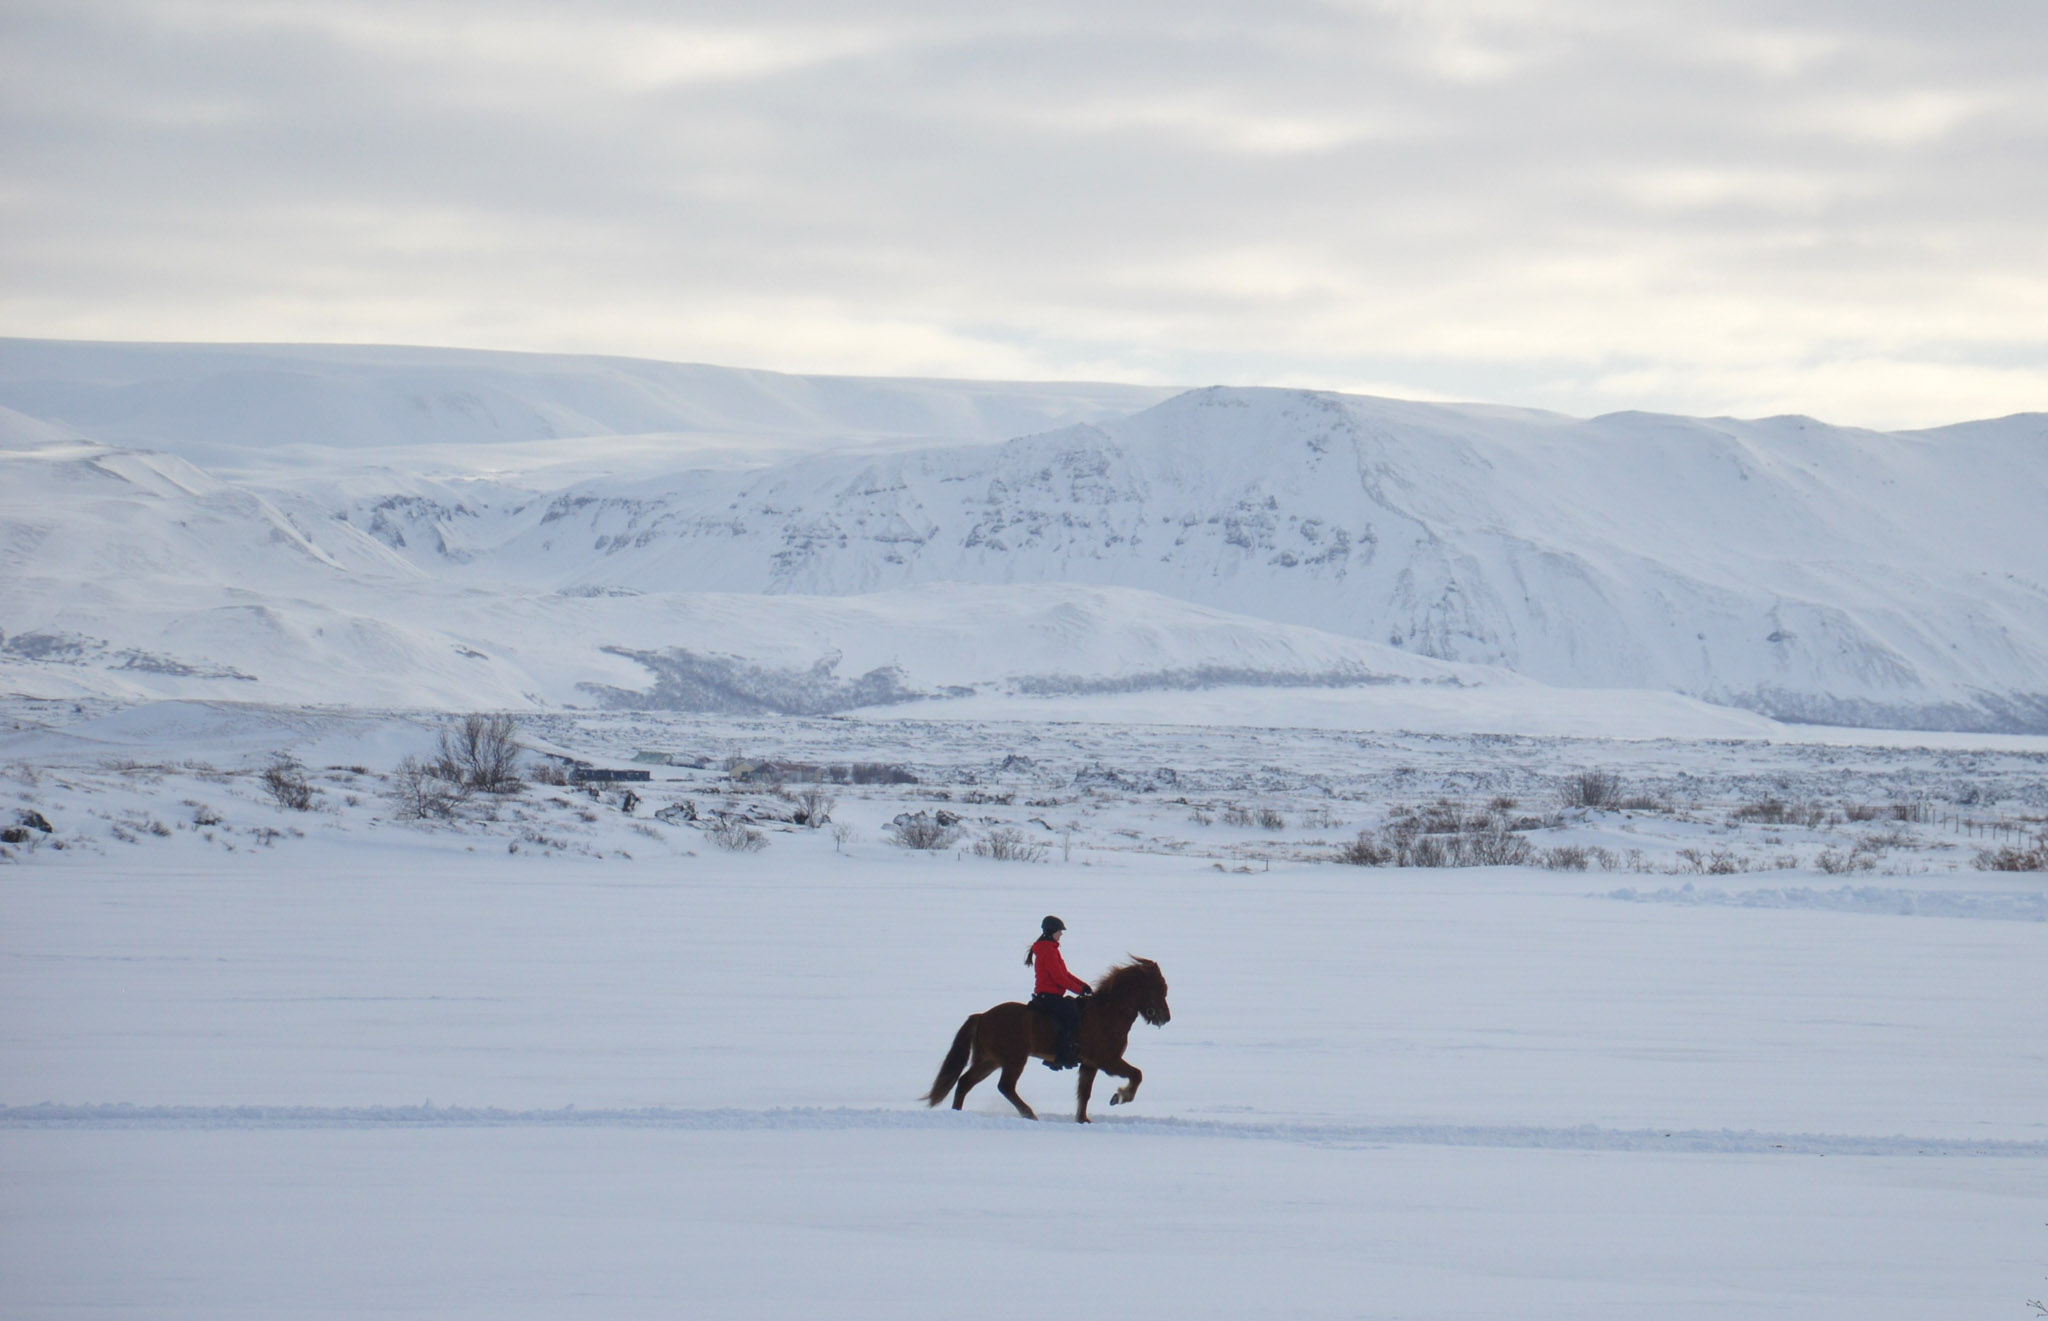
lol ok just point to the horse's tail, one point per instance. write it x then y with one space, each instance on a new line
956 1061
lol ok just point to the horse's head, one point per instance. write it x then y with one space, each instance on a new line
1150 987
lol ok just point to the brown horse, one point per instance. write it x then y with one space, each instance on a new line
1010 1036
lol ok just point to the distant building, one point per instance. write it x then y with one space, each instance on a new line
605 775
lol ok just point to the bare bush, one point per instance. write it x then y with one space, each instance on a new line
482 752
1772 811
1480 848
1590 788
1837 863
814 808
1642 803
1442 817
202 815
1714 862
1428 851
1007 844
419 791
1263 818
549 771
735 836
1492 848
535 839
2008 858
842 835
1567 857
1365 851
285 781
1862 811
876 772
922 831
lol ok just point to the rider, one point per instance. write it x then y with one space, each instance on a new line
1050 994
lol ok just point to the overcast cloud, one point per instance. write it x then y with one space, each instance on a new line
1832 208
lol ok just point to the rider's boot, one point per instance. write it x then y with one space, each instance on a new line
1067 1053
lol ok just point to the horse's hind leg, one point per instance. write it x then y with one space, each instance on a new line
969 1080
1086 1087
1007 1085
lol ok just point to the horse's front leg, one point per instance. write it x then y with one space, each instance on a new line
1124 1069
1087 1085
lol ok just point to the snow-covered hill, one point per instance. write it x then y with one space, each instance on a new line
135 575
383 523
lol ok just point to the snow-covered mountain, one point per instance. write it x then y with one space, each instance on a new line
656 532
135 575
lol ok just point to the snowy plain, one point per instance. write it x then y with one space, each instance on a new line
328 1062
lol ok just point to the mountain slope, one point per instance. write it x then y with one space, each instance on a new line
1796 569
1800 570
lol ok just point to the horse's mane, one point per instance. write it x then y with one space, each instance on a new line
1125 975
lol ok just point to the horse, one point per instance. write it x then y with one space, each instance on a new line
1010 1036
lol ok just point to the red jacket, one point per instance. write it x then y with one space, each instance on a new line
1053 977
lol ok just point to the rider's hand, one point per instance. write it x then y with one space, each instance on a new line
1085 992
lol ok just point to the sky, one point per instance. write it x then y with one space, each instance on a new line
1838 209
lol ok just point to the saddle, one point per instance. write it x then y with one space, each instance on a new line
1066 1016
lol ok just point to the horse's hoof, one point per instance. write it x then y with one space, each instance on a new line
1083 1119
1116 1100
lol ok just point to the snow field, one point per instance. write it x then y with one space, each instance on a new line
627 1224
1397 1092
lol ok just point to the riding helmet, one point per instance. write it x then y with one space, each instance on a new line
1050 925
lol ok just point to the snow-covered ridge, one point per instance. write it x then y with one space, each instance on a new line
252 408
715 528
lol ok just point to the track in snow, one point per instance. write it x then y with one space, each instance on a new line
1586 1137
